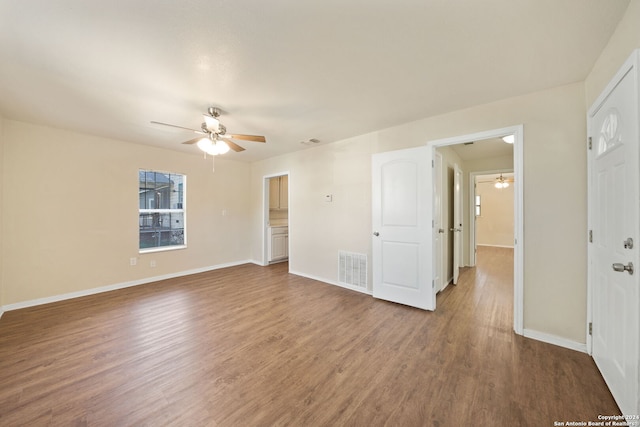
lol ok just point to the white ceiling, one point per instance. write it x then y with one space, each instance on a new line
287 69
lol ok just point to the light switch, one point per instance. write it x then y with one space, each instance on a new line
328 198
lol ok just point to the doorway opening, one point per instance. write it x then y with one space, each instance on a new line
479 142
491 210
275 218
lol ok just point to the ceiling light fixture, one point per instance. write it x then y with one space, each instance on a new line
501 183
213 146
509 139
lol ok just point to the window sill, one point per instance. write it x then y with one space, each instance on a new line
162 249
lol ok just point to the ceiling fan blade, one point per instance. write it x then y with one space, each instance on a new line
254 138
235 147
176 126
194 140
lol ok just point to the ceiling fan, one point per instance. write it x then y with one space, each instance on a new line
500 182
215 139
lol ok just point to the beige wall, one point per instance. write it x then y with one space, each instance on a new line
624 40
70 220
494 226
554 138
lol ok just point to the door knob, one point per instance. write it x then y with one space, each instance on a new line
375 233
618 266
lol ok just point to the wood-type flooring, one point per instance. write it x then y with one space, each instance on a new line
256 346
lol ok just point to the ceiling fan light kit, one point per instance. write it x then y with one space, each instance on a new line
501 183
211 147
213 132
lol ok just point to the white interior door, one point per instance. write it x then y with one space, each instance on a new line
438 230
457 222
402 227
613 211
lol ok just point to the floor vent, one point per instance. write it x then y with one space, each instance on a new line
352 269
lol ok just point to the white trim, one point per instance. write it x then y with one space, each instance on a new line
101 289
518 174
1 312
329 282
555 340
161 249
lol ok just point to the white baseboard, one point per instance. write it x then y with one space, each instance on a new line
495 246
323 280
555 340
1 312
101 289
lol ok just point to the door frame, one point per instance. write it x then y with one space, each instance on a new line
518 166
472 211
265 215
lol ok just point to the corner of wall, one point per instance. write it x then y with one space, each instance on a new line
2 169
623 41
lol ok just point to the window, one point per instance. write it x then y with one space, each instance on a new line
161 210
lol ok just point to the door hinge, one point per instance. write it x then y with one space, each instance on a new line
433 163
433 284
590 236
590 143
590 328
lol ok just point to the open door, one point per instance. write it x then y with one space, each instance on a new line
457 222
402 227
614 256
438 230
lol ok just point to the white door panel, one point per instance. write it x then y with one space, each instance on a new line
401 218
614 217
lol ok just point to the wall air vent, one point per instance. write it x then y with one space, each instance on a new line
352 269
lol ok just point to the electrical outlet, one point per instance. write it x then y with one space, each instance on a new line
133 261
152 263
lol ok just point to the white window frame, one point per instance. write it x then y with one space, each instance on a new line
182 210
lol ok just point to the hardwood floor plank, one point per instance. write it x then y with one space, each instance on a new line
256 346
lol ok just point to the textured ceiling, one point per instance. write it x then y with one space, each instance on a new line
287 69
